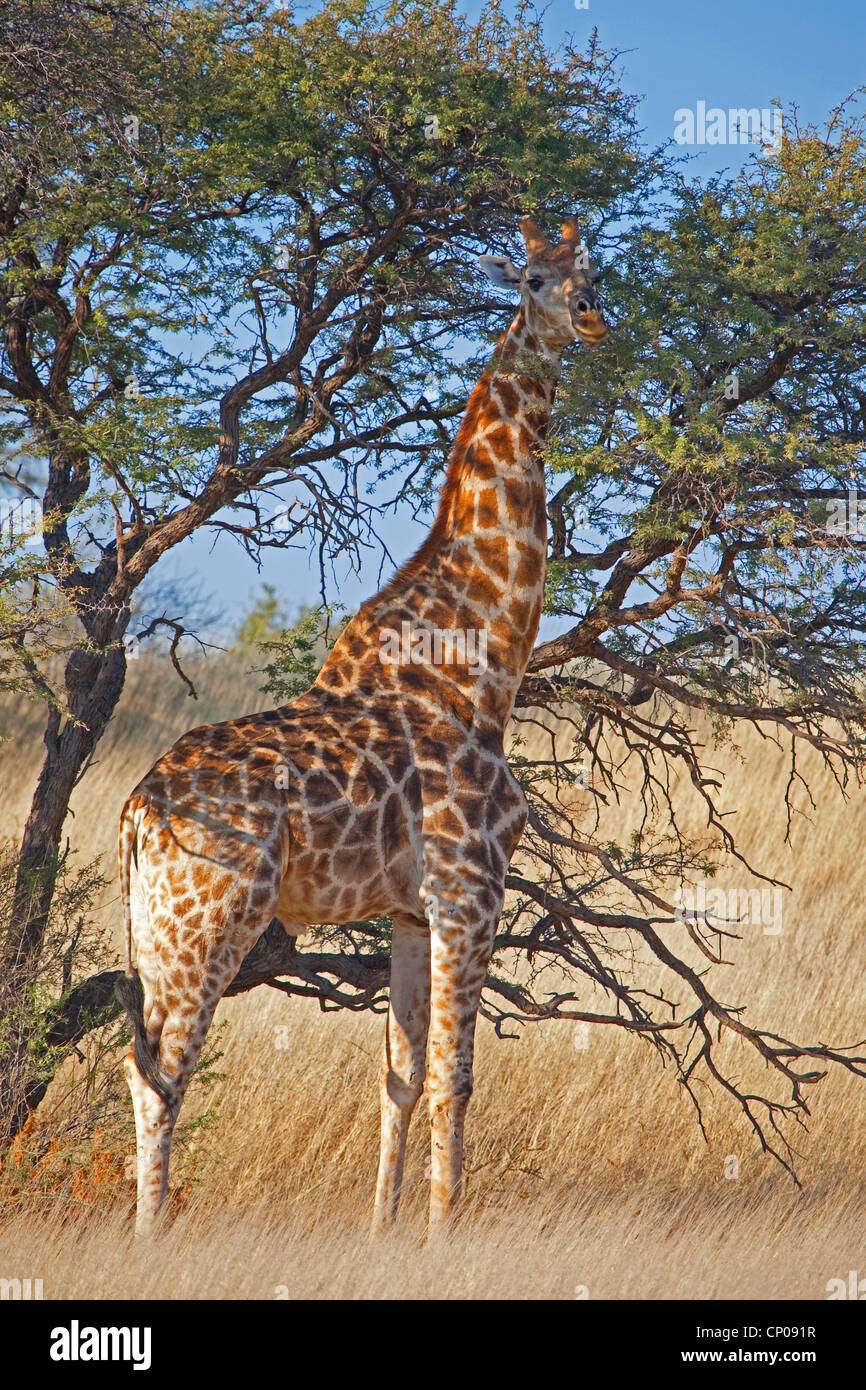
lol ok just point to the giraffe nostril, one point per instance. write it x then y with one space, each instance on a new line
582 306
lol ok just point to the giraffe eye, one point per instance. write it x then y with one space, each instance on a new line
535 283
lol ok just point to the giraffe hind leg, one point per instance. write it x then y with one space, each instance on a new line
404 1063
180 1041
154 1126
172 1009
153 1103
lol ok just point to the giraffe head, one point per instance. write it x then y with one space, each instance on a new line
556 287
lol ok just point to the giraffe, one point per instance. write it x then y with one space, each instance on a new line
383 790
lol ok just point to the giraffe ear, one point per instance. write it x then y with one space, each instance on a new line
571 232
501 271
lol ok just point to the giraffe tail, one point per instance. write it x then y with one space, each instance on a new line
129 990
126 849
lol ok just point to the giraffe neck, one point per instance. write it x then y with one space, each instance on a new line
481 570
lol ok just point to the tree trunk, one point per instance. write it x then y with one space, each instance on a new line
94 682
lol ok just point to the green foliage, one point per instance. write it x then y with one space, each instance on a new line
704 449
297 656
198 192
72 944
79 1148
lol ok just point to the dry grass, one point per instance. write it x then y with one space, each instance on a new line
585 1167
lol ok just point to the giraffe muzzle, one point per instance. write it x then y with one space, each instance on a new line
587 321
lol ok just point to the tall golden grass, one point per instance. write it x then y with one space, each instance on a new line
586 1173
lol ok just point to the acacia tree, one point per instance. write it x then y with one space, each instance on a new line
234 249
707 545
230 272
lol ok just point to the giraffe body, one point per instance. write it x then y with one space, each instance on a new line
383 790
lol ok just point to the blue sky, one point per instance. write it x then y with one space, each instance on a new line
675 54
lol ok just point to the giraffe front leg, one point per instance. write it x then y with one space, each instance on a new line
461 944
403 1066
